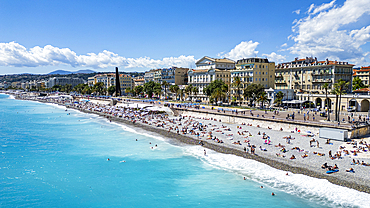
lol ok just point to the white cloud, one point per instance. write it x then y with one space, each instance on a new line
284 45
323 7
16 55
321 33
242 50
275 57
298 11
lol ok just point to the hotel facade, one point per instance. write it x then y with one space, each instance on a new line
309 75
252 70
207 70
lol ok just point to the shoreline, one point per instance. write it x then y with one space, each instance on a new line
185 139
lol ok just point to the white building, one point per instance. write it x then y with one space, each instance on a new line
207 70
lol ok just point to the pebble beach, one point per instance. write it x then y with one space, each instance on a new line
291 150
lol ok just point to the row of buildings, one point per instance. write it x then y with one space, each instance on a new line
298 79
172 75
305 76
47 83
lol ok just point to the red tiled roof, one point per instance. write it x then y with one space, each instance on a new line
362 90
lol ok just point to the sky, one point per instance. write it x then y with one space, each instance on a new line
42 36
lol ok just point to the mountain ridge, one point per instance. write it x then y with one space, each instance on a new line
64 72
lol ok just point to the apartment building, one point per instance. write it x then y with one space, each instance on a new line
175 75
108 80
309 75
126 81
139 82
61 81
252 70
363 73
149 75
207 70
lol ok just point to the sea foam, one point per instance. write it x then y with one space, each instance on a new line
318 190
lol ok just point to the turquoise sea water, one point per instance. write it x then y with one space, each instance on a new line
52 159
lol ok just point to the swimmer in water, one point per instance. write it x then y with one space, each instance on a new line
205 152
261 187
272 194
244 178
108 159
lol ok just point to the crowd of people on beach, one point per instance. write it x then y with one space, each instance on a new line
207 129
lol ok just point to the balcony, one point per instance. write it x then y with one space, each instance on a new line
279 75
322 80
321 73
280 82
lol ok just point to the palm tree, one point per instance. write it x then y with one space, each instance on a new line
165 84
195 90
262 98
237 83
218 94
335 92
180 92
279 98
128 90
187 90
174 89
326 86
341 86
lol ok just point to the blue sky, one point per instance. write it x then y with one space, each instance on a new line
42 36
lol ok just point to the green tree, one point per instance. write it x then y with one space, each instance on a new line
217 84
253 91
238 84
111 90
67 88
262 98
151 87
357 84
53 88
279 98
86 90
165 85
341 87
218 94
195 90
138 89
174 89
80 87
180 92
98 88
326 87
128 90
188 90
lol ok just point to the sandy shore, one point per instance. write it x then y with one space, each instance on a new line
228 133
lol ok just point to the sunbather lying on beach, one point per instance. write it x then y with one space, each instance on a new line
350 170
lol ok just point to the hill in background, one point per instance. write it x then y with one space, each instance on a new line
63 72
